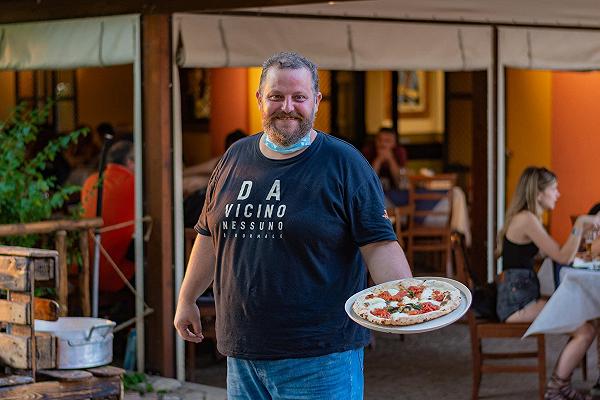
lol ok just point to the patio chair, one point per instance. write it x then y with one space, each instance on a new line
400 219
428 229
481 329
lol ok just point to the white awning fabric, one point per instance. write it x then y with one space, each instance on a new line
243 41
66 44
555 49
390 46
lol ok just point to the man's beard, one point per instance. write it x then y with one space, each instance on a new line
287 137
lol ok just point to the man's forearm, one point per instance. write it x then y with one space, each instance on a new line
200 270
386 261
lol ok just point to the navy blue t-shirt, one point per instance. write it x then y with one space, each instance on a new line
287 235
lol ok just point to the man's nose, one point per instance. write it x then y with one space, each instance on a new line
288 105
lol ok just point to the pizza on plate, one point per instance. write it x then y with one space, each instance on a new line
407 301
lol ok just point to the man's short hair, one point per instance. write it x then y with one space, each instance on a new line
387 130
120 152
289 60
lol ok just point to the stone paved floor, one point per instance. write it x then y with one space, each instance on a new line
435 365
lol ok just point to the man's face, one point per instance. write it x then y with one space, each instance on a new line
287 105
385 141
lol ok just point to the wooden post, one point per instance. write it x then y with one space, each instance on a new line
63 285
158 191
479 169
84 276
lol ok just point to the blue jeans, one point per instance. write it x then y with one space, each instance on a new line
336 376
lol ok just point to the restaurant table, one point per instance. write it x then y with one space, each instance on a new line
575 301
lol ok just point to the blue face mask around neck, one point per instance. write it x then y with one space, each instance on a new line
300 144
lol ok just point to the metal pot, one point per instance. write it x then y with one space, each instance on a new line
81 342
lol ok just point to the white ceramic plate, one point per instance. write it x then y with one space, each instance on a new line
445 320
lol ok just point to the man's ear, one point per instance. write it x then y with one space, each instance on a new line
318 98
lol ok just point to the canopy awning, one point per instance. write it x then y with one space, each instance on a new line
556 49
68 44
245 41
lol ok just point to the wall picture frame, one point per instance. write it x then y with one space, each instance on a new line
195 99
412 92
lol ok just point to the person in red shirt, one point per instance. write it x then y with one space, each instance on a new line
117 207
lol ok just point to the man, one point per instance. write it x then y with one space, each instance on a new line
290 219
117 206
387 158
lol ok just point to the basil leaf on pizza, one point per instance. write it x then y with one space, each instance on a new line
407 302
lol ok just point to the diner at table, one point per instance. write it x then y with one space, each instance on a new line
520 240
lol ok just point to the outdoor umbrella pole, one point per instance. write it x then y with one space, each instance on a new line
108 138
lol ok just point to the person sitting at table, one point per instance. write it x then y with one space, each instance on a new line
387 158
520 240
195 182
596 253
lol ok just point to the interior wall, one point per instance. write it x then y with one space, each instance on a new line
7 93
229 105
254 118
106 95
197 147
459 131
576 145
377 111
528 123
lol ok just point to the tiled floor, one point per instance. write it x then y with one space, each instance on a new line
435 365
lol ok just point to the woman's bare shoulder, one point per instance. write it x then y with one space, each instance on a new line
525 217
520 225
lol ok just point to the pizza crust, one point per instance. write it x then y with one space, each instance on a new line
363 306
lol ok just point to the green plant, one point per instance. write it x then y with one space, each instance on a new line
26 193
138 382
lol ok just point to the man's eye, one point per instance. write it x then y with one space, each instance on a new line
299 98
275 97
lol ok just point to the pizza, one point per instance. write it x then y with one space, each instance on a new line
407 302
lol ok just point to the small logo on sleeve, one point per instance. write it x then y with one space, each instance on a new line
385 215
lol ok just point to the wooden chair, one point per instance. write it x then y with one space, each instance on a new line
428 229
400 218
486 329
208 314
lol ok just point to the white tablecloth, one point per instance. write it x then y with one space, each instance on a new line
574 302
459 221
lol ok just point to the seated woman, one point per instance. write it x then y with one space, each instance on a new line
519 241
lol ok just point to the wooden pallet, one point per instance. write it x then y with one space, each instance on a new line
93 383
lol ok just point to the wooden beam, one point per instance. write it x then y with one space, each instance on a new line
479 207
49 226
29 10
97 388
158 191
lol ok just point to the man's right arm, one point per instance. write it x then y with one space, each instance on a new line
198 277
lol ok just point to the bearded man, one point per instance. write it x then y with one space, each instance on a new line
293 219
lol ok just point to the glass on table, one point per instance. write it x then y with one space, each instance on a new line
589 238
